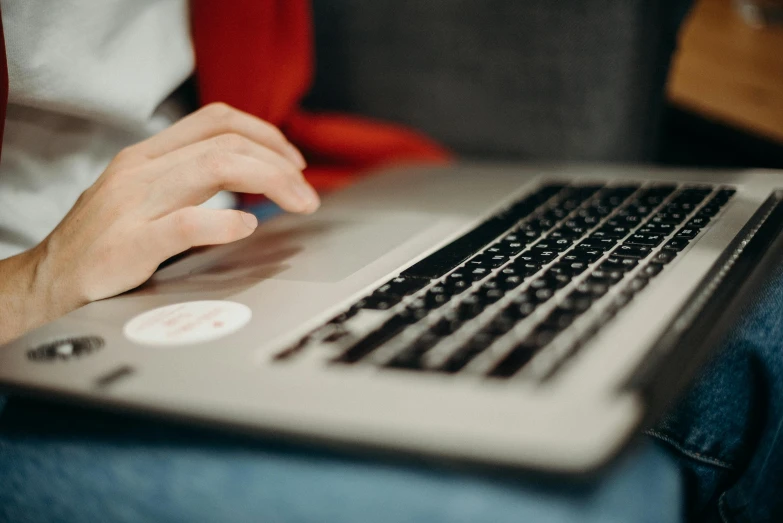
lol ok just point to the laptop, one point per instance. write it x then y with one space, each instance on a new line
516 316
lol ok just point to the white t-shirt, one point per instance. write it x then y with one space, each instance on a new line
87 78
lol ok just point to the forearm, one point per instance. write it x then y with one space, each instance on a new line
23 304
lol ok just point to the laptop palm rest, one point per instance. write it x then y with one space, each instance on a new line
307 249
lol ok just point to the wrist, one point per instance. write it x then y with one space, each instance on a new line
21 308
49 289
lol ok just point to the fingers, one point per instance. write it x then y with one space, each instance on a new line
196 180
196 226
229 143
214 120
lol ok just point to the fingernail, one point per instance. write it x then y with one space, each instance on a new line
297 156
307 195
250 220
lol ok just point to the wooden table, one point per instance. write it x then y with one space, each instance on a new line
728 71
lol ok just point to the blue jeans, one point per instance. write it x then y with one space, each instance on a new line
63 464
727 431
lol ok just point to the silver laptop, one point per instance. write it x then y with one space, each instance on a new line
503 315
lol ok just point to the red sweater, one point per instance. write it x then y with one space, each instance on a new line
257 55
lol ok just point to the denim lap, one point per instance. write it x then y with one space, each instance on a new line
727 428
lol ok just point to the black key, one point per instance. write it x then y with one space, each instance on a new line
554 246
559 319
663 256
418 309
564 232
576 228
513 270
657 228
561 244
517 310
693 195
607 272
447 325
508 282
478 273
687 233
465 354
464 274
630 220
469 307
489 295
492 259
411 357
586 255
606 241
641 209
677 244
636 284
542 335
674 218
527 268
512 237
557 280
601 209
590 221
723 196
568 268
571 256
332 332
574 268
456 285
479 261
651 240
528 234
601 234
500 325
391 328
508 248
597 244
651 270
620 263
534 255
654 196
709 210
517 358
686 207
593 288
540 283
437 296
614 231
632 251
402 286
544 294
697 222
577 302
345 315
560 212
675 212
378 302
543 223
622 299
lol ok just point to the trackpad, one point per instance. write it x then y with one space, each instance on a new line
299 249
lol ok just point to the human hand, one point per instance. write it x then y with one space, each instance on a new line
143 208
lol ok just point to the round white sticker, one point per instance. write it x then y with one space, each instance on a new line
187 323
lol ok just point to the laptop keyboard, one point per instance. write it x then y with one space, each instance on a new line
535 276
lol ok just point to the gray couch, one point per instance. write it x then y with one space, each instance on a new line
523 79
